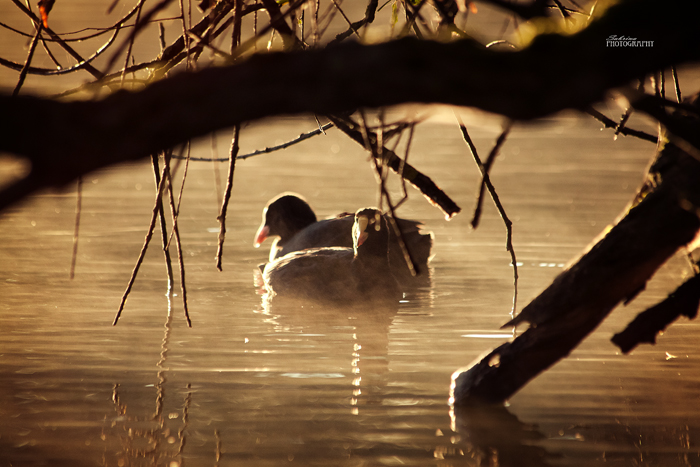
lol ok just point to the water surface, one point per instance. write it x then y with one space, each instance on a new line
260 385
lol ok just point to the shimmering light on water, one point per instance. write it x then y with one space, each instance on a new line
261 384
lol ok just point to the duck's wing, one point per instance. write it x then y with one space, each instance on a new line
324 273
419 243
336 232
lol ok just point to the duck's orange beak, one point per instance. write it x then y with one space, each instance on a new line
360 227
361 239
261 235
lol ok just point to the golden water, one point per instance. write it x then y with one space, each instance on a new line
254 385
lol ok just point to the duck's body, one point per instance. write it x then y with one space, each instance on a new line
339 275
289 218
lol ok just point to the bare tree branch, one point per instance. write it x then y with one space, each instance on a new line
520 85
423 183
683 301
612 271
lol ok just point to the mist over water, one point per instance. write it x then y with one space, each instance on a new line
267 384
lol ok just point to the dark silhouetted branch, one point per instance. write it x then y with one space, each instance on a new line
87 67
378 161
486 182
683 301
227 195
421 182
612 271
149 234
610 123
27 63
524 84
176 233
163 226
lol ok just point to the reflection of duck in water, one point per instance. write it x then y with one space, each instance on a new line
289 218
338 274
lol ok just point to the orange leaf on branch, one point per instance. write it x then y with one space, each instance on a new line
44 8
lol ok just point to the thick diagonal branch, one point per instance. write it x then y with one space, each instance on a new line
614 270
553 73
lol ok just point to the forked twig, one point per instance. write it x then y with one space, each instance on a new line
487 167
347 20
409 173
27 63
499 206
163 227
182 187
379 165
142 254
89 68
176 232
138 26
610 123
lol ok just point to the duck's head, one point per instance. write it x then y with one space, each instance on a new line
370 233
284 216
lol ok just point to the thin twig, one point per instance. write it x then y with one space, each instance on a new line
499 206
45 45
28 61
420 181
676 84
610 123
76 229
224 204
163 227
623 121
411 20
378 163
487 166
182 187
62 71
138 26
176 232
142 254
89 68
183 20
404 161
236 30
564 11
161 36
257 152
130 40
347 20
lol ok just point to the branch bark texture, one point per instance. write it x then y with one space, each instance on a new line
66 139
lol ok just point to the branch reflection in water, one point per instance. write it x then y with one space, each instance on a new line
154 439
492 435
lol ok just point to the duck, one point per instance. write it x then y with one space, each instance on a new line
339 275
291 222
